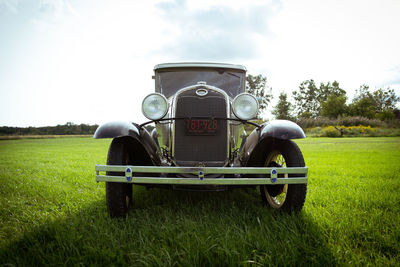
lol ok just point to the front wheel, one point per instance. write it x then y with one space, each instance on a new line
118 195
284 153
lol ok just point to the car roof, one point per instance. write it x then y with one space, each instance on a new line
198 65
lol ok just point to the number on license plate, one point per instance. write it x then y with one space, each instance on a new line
201 126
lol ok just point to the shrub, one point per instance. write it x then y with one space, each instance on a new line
348 131
346 121
353 121
330 131
385 115
358 130
316 131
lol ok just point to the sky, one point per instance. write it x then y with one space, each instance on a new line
91 61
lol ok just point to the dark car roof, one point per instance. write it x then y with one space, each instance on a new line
198 65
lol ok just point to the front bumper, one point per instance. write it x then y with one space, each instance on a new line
161 175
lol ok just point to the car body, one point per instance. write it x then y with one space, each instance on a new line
199 143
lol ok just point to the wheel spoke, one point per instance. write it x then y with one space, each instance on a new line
276 159
285 187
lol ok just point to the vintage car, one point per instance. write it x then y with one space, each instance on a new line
199 143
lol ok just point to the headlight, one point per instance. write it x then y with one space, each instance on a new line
154 106
245 106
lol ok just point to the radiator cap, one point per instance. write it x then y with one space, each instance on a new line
201 92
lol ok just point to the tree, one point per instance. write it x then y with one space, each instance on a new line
283 109
363 103
385 99
334 106
326 90
306 99
257 86
386 115
380 103
309 97
364 107
68 128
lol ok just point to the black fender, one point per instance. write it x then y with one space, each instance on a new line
281 129
138 138
261 138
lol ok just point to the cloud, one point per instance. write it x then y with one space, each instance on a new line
395 72
392 79
8 6
55 7
52 13
216 32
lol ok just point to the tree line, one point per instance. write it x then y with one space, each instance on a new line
67 129
311 101
327 100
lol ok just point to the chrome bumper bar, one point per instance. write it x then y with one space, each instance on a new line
262 176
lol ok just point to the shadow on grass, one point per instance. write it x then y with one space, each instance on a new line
175 228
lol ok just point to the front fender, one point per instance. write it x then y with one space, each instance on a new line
116 129
139 137
260 139
281 129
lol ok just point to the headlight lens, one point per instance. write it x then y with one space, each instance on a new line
154 106
245 106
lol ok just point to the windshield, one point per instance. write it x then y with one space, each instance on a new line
231 81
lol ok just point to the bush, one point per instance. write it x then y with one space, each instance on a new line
316 131
352 121
330 131
385 115
346 121
348 131
358 130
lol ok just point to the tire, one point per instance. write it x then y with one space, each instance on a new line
118 195
284 197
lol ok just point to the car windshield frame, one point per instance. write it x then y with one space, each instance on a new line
169 81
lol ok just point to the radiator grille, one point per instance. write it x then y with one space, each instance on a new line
211 150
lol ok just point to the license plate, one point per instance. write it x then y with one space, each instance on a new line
201 126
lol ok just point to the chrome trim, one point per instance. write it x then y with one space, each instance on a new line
164 129
201 92
173 115
205 181
270 175
199 65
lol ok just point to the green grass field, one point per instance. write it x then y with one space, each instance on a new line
52 212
